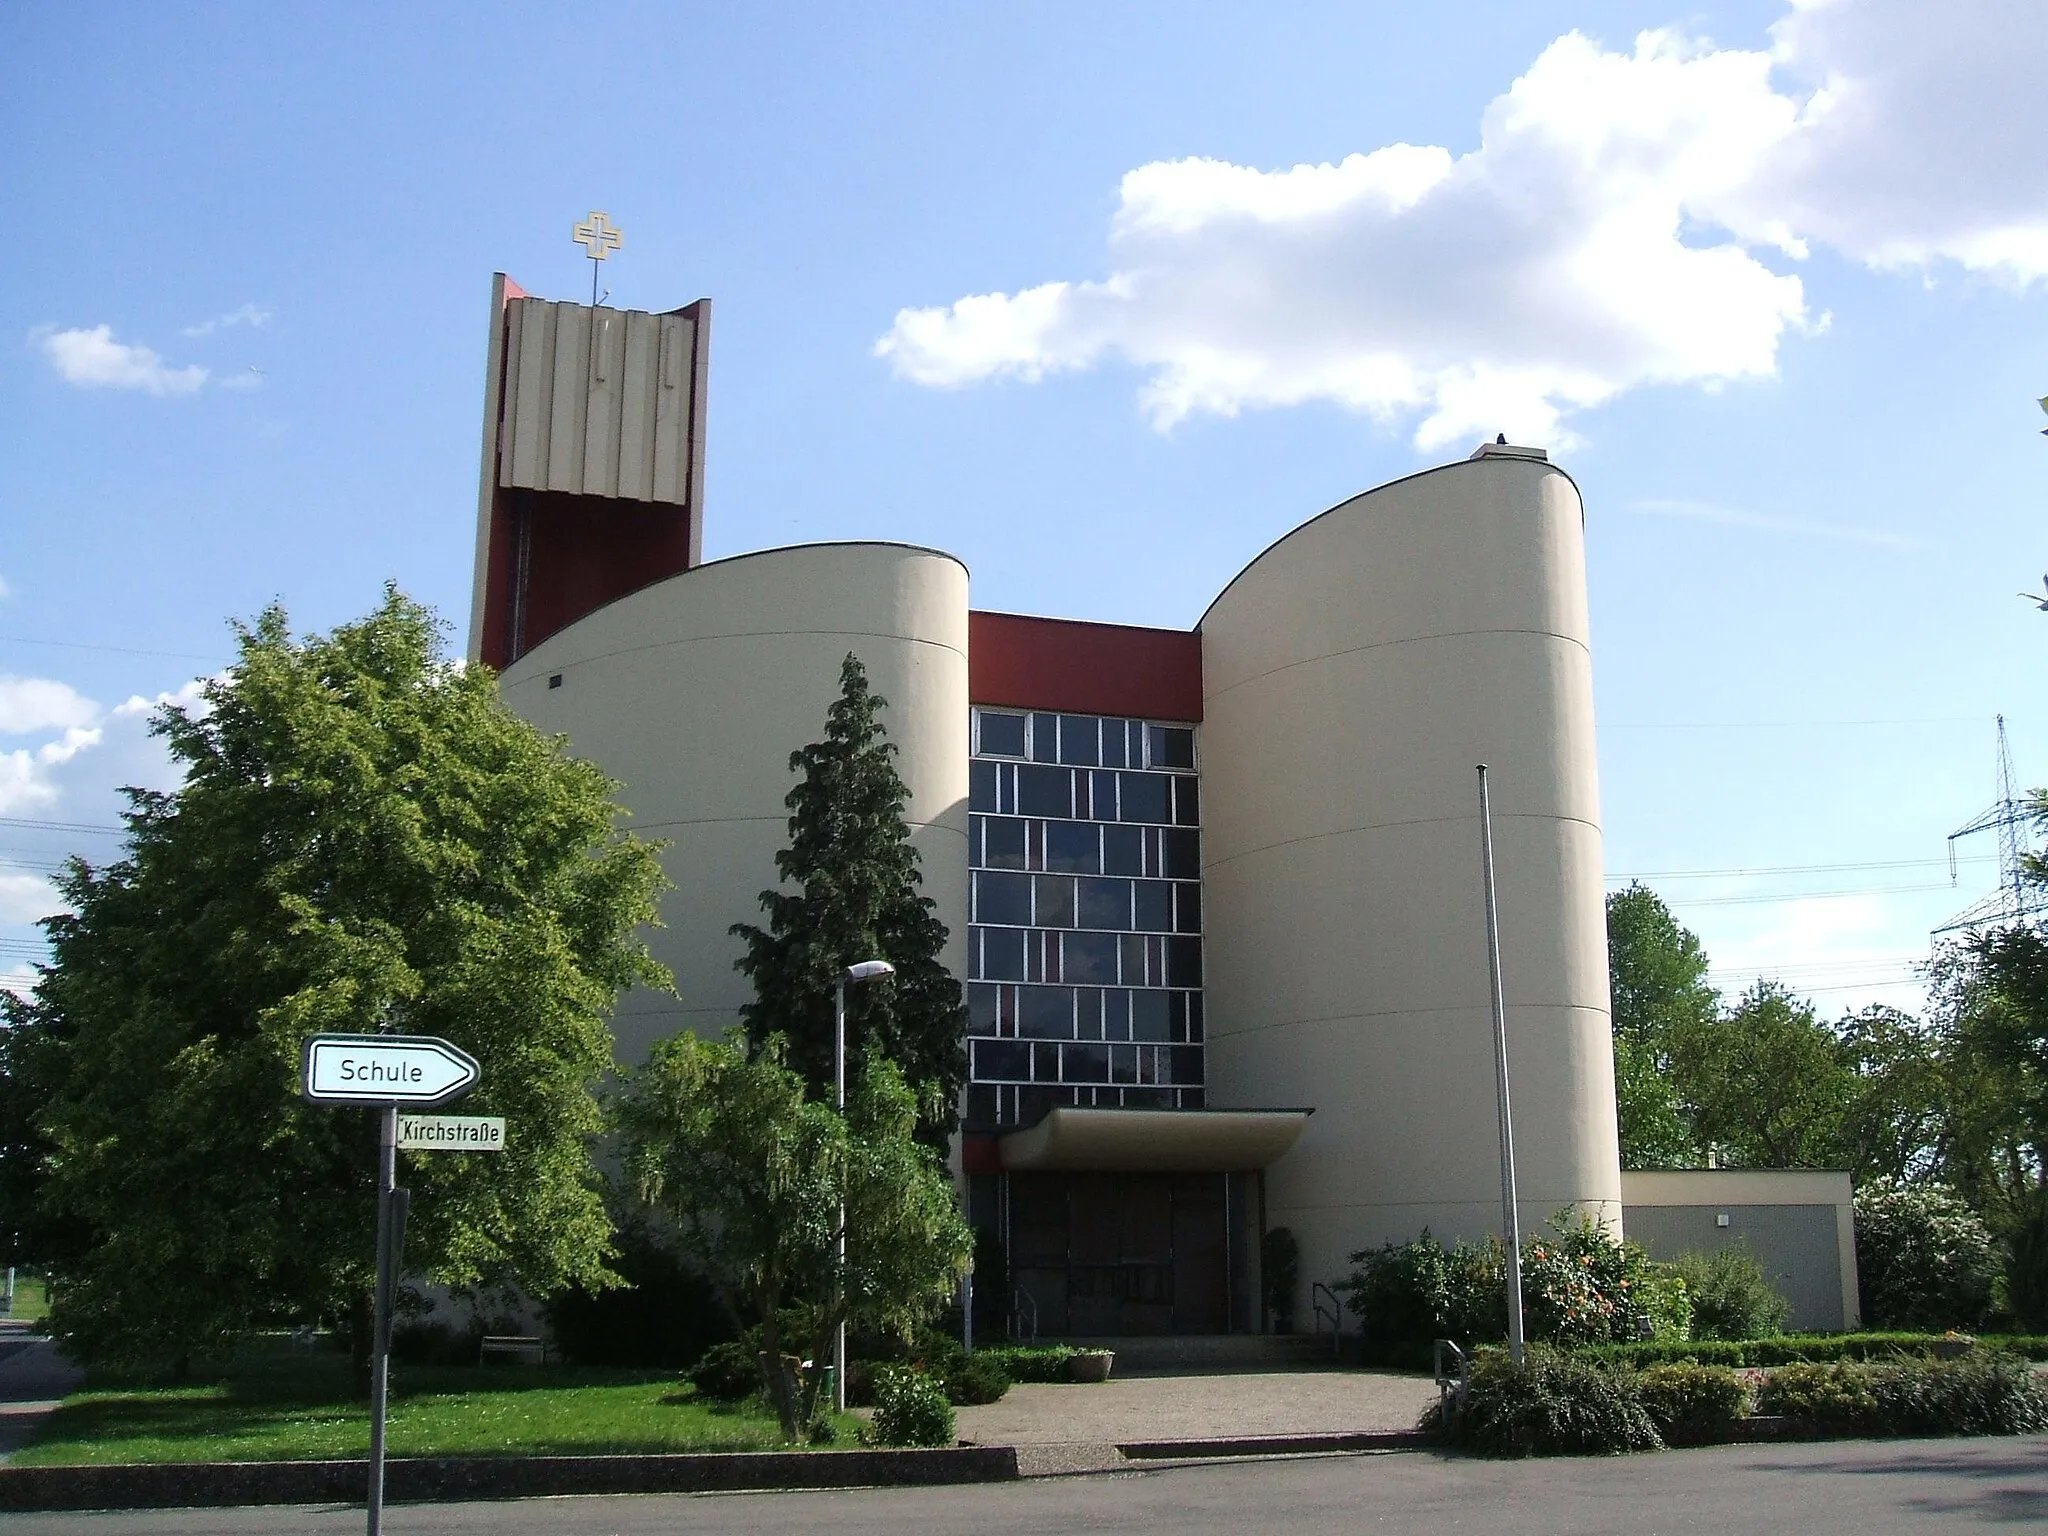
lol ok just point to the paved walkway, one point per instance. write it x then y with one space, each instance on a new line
1072 1428
33 1380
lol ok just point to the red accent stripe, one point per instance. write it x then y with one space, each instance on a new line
1093 669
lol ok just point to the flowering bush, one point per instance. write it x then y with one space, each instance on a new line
1580 1286
1924 1259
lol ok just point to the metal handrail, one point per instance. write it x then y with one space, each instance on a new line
1317 1293
1449 1386
1023 1304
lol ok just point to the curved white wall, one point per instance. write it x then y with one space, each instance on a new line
1354 675
693 692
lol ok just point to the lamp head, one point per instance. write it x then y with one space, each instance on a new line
868 970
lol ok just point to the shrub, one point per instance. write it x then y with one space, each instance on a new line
1580 1286
1732 1298
2026 1262
1925 1259
1689 1402
729 1372
1786 1349
1029 1362
663 1315
1555 1405
911 1408
978 1380
1422 1290
1986 1392
1837 1393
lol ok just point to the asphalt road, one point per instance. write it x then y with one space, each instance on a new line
1852 1488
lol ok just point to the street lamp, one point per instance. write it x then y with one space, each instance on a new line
865 970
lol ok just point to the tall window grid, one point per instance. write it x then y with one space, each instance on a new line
1085 927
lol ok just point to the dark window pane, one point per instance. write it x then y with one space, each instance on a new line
1134 961
1002 842
981 1008
1045 738
981 1106
1149 1098
1183 962
1045 1013
1001 1060
1002 735
1187 801
1187 1064
1172 746
1034 1104
1113 737
981 786
1151 1016
1155 905
1089 958
1072 847
1195 1016
1044 791
1123 1064
1142 797
1045 1064
1116 1015
1104 904
1123 850
1183 855
1052 901
1002 954
1187 908
1087 1014
1085 1063
1102 785
1078 740
1002 899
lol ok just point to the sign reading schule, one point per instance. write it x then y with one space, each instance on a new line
386 1069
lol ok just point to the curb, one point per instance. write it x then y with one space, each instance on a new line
439 1479
1276 1445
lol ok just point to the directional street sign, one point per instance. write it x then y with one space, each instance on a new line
386 1069
451 1133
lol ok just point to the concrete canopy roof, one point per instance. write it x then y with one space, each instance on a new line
1153 1140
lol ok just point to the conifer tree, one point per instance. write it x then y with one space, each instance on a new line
852 894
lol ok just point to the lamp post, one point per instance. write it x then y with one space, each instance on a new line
1511 1219
865 970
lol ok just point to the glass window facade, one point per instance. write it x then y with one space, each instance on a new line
1084 935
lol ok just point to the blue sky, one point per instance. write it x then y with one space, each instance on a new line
1771 282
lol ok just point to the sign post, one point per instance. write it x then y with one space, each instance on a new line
386 1072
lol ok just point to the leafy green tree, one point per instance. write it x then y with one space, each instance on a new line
749 1172
852 879
1768 1085
1990 998
1657 980
364 834
1924 1259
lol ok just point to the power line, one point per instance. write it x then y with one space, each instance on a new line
119 650
58 826
1795 869
1753 901
1781 725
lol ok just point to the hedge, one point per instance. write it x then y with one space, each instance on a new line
1792 1348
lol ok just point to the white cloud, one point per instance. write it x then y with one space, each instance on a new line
27 780
18 979
1610 231
92 359
248 314
27 898
249 378
39 703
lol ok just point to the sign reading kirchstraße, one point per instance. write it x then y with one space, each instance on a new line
451 1133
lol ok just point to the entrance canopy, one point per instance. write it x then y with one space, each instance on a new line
1152 1140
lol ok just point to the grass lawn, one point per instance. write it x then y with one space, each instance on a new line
270 1405
30 1300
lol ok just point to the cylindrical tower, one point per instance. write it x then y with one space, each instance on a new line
1353 676
694 691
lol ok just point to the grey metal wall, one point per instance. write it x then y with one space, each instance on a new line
1797 1245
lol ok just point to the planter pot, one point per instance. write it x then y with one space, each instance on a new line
1090 1364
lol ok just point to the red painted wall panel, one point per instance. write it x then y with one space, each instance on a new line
1092 669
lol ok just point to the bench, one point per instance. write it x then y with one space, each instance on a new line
518 1348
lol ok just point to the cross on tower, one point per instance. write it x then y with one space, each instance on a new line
598 239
